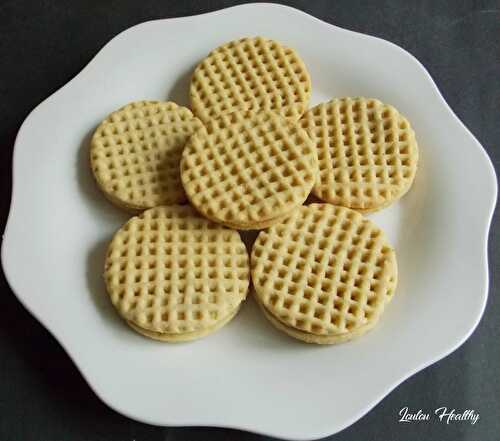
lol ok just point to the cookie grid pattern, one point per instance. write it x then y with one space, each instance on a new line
367 152
248 168
326 270
171 271
250 74
136 151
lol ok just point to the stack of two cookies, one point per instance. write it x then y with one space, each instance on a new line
174 276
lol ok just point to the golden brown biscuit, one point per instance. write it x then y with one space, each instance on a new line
325 274
247 170
175 274
367 152
135 154
250 74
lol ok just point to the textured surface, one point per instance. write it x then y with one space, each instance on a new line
250 74
171 271
246 169
135 153
326 270
46 398
186 336
367 152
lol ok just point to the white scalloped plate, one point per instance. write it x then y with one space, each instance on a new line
247 376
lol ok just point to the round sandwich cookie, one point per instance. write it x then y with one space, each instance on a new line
250 74
367 152
248 170
175 276
324 275
135 154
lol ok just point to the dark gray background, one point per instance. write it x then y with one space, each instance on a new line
43 44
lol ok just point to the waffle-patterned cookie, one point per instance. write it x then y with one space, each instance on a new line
135 153
248 170
325 274
176 275
367 152
250 74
